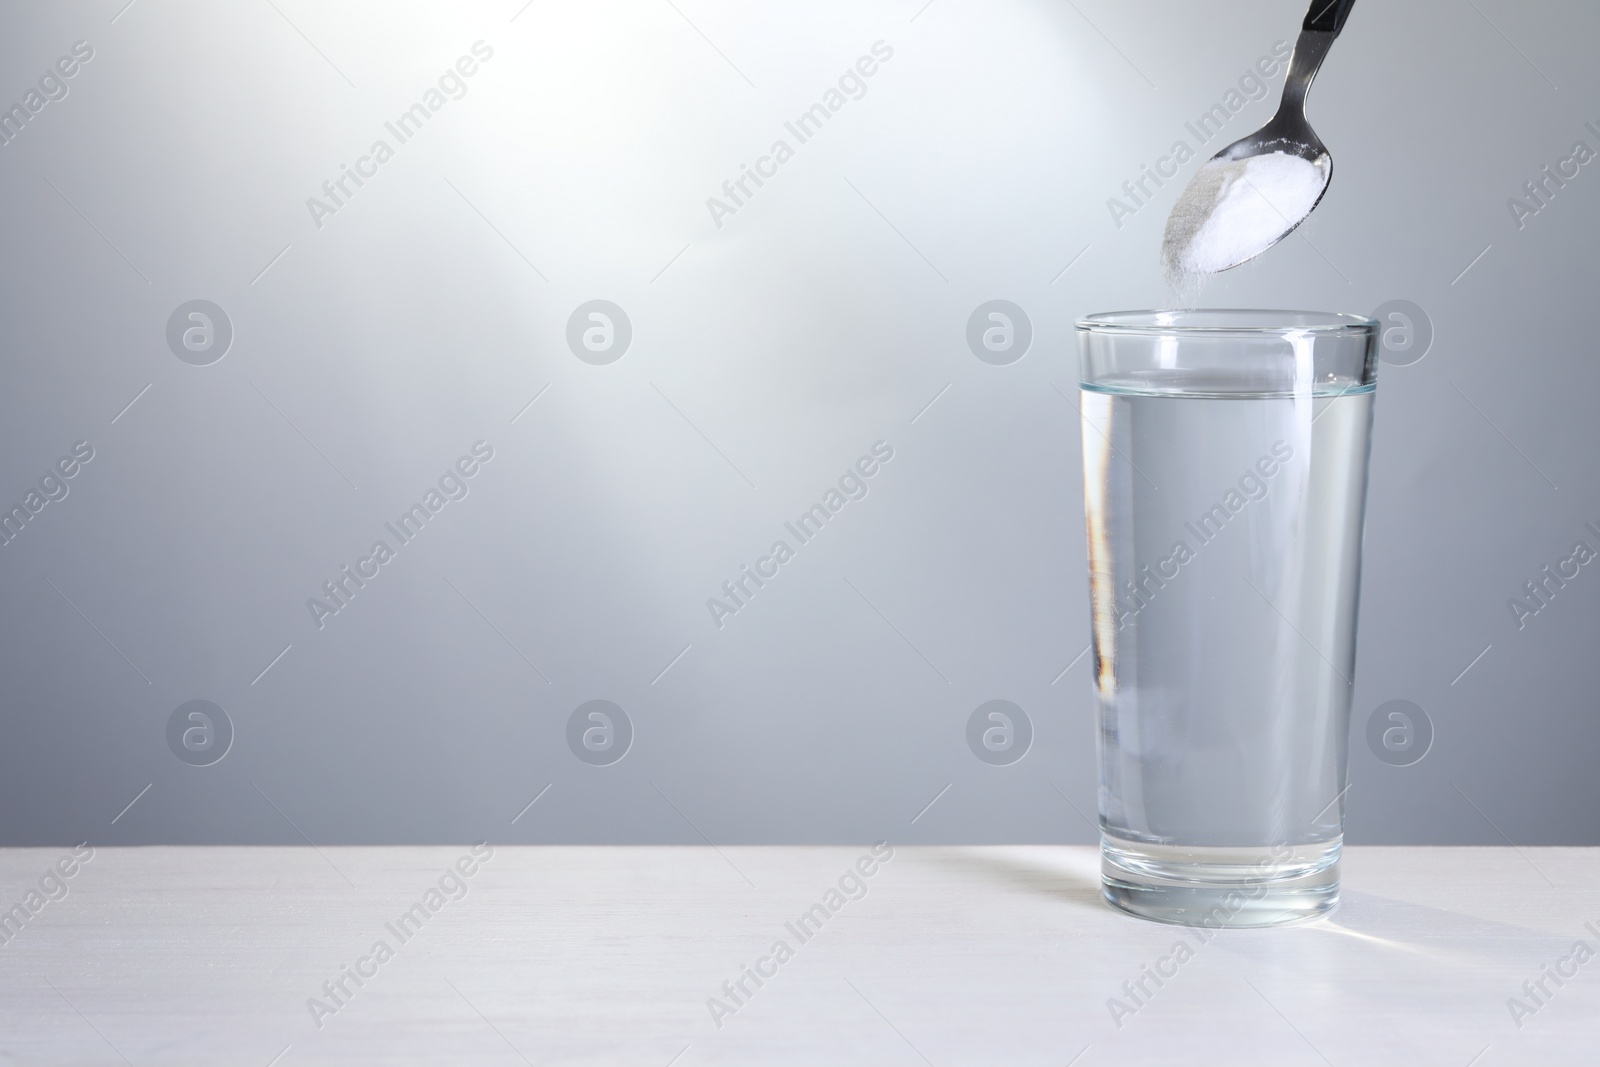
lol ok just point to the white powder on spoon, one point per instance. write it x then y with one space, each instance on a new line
1233 210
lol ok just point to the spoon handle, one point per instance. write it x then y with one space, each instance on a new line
1327 16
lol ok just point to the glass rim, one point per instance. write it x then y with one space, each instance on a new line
1249 321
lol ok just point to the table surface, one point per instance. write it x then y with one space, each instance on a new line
943 956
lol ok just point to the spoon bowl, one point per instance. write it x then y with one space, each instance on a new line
1287 133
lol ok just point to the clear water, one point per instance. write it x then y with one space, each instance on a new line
1224 548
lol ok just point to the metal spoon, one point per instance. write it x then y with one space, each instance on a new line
1288 131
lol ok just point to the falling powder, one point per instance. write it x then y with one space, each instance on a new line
1233 210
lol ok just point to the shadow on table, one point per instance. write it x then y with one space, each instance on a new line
1036 870
1424 931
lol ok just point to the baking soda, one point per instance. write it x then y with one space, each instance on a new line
1233 210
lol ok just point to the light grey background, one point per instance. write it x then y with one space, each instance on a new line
768 354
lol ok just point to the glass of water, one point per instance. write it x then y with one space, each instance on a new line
1225 478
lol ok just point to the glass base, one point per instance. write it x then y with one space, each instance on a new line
1220 887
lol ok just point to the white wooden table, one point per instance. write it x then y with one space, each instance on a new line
953 956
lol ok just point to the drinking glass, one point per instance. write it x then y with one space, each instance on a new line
1225 476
